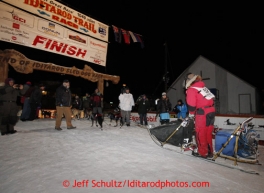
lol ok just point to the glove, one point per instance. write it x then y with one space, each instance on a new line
191 116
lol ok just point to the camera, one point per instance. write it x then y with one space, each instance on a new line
17 86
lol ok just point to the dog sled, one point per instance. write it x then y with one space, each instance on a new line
240 145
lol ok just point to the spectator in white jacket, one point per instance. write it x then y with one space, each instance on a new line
126 102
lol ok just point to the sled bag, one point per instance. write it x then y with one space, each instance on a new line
162 132
221 138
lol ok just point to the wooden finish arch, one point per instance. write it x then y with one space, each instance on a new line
24 65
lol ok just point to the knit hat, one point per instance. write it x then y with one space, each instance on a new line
179 101
164 93
7 80
190 79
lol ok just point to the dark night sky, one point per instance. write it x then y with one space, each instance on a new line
228 35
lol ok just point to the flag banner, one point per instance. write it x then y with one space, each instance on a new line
126 36
117 33
136 38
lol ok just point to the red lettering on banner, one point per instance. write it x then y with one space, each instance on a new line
69 23
149 118
48 43
134 118
64 48
46 5
71 50
39 39
64 14
53 9
38 4
97 61
15 17
90 27
87 25
59 47
32 3
80 22
80 52
152 119
76 19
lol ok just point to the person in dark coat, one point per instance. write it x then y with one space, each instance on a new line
96 101
35 101
77 103
63 105
87 105
8 106
96 104
77 107
25 88
163 108
143 108
25 100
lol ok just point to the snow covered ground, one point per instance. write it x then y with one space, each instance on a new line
39 158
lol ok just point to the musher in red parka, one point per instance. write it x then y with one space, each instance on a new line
200 103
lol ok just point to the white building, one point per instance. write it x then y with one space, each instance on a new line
233 95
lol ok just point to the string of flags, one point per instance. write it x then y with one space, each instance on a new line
126 35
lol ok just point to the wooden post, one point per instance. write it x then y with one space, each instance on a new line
3 69
100 85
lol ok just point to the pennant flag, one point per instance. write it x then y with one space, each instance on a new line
117 32
136 38
126 36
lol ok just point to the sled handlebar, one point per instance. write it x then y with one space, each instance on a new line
243 124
